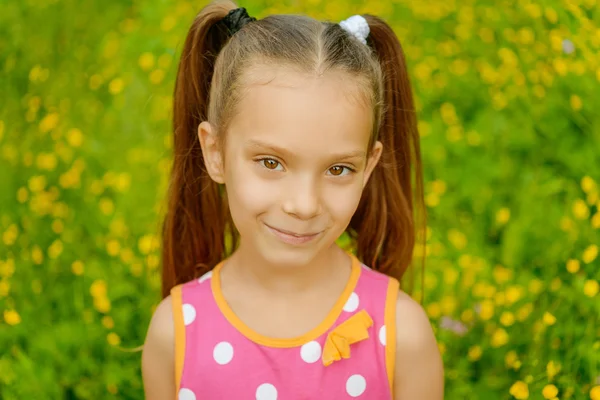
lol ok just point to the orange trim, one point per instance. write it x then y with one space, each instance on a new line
176 301
291 342
390 330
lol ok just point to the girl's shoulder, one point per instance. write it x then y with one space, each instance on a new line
158 353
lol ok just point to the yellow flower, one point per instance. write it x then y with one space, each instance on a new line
514 294
168 23
552 369
511 358
499 338
524 312
55 249
576 102
106 206
147 243
75 137
588 184
457 238
549 319
102 304
573 266
98 288
10 235
22 195
550 391
535 286
37 183
113 339
108 322
551 15
113 247
590 288
580 209
11 317
4 288
475 353
157 76
590 254
46 161
126 255
487 310
49 122
519 390
146 61
507 318
57 226
503 215
596 221
95 81
37 255
77 268
116 86
595 393
153 261
434 310
560 66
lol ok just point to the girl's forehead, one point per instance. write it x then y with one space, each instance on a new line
303 113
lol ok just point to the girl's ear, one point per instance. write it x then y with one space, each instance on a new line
211 152
372 161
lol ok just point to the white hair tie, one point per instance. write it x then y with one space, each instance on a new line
357 26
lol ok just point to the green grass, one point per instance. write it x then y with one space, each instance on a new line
511 148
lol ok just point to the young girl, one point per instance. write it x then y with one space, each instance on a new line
289 133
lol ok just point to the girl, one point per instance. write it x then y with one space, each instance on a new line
288 133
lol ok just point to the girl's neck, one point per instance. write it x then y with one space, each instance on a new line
245 265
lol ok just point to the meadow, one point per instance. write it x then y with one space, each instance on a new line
508 100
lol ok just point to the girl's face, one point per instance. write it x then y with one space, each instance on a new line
295 161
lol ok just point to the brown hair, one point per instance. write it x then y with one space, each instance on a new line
198 225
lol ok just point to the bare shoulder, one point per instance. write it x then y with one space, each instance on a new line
158 356
419 372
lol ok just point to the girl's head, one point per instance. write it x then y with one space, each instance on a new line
290 125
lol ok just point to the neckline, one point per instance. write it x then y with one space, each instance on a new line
268 341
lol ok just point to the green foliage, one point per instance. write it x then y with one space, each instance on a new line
507 96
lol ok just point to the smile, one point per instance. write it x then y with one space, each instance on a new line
291 237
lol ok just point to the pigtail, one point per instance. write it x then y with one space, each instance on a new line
193 232
389 219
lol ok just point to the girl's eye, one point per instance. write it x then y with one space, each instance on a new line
339 170
269 163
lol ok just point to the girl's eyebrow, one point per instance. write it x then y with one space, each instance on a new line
258 144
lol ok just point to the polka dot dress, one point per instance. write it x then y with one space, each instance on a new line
218 357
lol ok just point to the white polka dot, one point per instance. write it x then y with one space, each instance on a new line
189 314
223 353
352 303
205 277
356 385
382 331
310 352
186 394
266 391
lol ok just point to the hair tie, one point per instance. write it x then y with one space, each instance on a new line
357 26
236 19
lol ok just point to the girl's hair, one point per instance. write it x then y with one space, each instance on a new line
198 230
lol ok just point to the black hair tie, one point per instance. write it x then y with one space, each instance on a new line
236 19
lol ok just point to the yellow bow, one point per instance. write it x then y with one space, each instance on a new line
337 344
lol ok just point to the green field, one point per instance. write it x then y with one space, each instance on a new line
506 93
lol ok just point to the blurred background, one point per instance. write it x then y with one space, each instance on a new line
508 95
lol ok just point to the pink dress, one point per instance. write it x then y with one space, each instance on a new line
349 355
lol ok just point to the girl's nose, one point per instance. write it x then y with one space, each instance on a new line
301 199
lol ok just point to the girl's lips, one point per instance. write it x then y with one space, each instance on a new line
292 238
